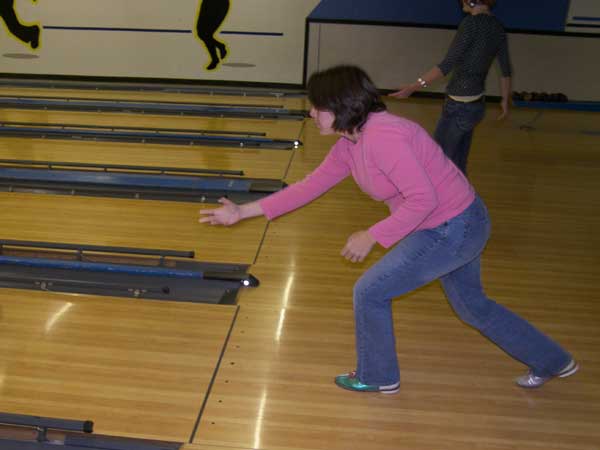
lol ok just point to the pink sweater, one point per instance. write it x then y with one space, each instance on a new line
394 161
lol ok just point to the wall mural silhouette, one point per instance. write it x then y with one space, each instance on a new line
211 15
253 40
28 34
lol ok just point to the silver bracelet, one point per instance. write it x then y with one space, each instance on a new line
422 82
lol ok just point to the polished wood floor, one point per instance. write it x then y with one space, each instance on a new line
145 369
135 367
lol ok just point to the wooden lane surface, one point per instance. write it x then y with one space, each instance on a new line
563 122
254 162
135 367
126 223
210 447
274 389
275 129
285 102
295 333
456 388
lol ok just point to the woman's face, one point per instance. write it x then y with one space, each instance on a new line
323 120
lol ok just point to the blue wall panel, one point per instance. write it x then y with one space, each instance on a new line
533 15
421 12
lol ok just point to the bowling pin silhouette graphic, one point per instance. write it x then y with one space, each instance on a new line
211 15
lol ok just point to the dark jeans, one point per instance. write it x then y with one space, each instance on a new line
454 130
451 253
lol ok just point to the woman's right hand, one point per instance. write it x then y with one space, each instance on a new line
228 214
405 91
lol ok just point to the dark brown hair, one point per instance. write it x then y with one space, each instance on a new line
347 92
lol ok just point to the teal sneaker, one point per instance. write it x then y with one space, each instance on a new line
351 382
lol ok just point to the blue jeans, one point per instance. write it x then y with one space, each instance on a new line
454 130
450 252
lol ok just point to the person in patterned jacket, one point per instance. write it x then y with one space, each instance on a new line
479 40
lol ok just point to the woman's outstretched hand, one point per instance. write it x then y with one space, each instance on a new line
405 91
359 245
228 214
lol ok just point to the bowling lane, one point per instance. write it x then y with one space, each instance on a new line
266 163
271 101
254 163
276 129
127 223
135 367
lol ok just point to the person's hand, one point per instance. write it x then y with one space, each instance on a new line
405 91
504 106
228 214
358 246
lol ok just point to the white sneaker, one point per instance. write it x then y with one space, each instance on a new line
532 381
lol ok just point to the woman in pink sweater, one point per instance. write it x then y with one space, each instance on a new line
437 229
